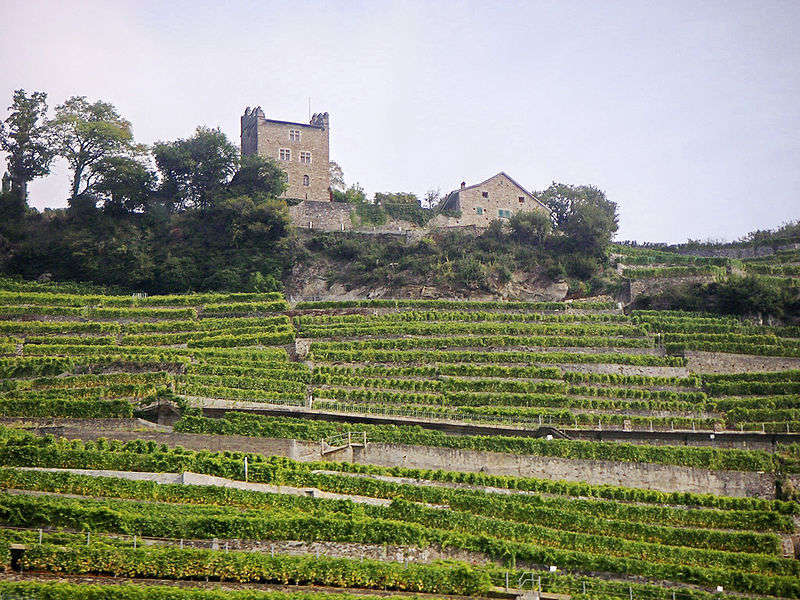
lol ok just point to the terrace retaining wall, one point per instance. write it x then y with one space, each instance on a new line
650 286
667 478
723 362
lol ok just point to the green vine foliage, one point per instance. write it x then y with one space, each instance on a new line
702 457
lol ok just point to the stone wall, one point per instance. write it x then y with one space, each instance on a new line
481 204
723 362
665 478
657 285
194 441
323 216
738 252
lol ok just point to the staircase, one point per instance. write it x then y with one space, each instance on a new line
351 439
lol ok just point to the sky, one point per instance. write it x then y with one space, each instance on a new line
687 114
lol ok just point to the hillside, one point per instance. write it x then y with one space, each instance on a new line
647 455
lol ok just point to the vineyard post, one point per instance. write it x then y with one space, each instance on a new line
506 580
40 536
584 587
245 469
88 537
630 592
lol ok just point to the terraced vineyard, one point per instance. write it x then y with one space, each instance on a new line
393 447
636 263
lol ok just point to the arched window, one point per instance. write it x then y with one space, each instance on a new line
306 181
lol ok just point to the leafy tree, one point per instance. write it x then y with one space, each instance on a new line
24 136
530 227
746 296
396 198
336 176
355 194
124 184
195 170
258 177
560 198
85 134
591 224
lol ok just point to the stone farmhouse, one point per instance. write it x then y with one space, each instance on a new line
303 152
499 197
300 149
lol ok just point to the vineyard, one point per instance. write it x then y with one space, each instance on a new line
635 263
249 448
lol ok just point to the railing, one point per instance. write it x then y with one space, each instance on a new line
346 439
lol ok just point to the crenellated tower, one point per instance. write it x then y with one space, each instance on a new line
301 150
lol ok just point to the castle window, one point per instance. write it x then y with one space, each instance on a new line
294 135
521 199
485 194
504 214
285 154
306 181
479 210
305 158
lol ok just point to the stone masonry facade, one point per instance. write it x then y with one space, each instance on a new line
323 216
301 150
499 197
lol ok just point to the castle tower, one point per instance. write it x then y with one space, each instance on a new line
301 150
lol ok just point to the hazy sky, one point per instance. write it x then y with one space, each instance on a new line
687 114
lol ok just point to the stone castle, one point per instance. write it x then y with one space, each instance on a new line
302 150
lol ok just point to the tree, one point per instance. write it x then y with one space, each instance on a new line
431 199
560 199
87 133
591 224
24 136
258 177
336 176
196 169
124 184
531 227
383 198
355 194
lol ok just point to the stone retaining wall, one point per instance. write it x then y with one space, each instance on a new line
723 362
324 216
656 285
667 478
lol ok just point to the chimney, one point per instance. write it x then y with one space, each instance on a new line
463 184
